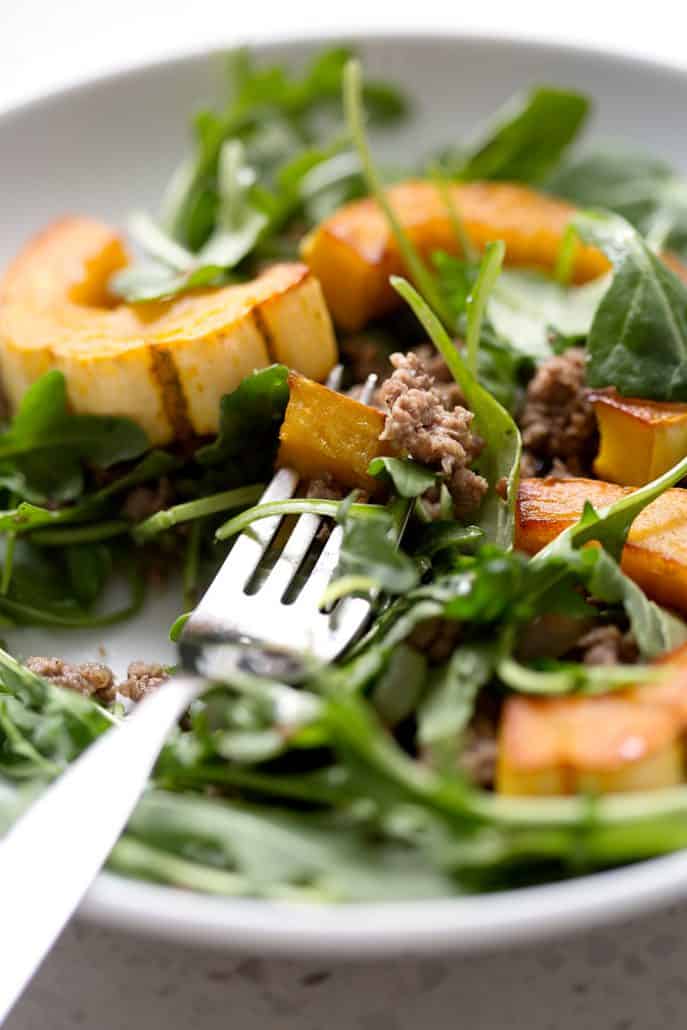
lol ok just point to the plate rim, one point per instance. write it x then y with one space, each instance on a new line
469 923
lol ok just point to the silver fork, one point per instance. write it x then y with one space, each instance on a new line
53 852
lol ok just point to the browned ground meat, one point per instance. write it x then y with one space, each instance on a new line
97 680
607 645
557 421
444 383
90 678
420 425
144 501
142 678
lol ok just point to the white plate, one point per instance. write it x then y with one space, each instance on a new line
111 144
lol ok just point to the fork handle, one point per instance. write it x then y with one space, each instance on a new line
53 853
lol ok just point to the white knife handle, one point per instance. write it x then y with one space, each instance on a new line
50 857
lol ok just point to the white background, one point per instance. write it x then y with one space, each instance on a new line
49 43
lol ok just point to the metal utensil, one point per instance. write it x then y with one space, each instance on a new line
250 618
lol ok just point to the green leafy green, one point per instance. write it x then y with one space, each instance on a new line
476 301
47 444
450 702
252 412
274 155
193 510
409 478
644 189
552 678
370 554
525 139
638 339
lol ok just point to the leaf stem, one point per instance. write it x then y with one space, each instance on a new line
190 510
468 250
80 534
353 108
489 271
565 259
293 506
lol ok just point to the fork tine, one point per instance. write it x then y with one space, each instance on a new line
317 582
294 551
367 392
243 557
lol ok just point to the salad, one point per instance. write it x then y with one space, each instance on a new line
511 498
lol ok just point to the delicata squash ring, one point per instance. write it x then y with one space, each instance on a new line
354 252
163 364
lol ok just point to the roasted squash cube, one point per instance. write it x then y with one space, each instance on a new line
326 434
625 741
639 439
655 554
353 252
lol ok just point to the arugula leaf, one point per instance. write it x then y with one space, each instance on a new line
190 511
370 558
150 281
48 444
238 222
448 707
276 854
476 301
526 309
556 679
655 629
638 339
252 412
525 139
409 478
248 178
400 686
645 190
500 459
88 569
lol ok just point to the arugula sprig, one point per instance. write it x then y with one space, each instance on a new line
275 155
638 338
524 141
47 445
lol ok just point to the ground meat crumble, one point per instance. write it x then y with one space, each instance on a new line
89 678
142 678
97 680
558 424
607 645
419 424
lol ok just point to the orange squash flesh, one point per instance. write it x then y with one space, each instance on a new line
165 364
655 554
353 252
328 435
624 741
639 439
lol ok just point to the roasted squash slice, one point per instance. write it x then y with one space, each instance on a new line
625 741
353 252
166 365
639 439
655 554
326 434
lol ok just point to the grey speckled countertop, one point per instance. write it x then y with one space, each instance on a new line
629 977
